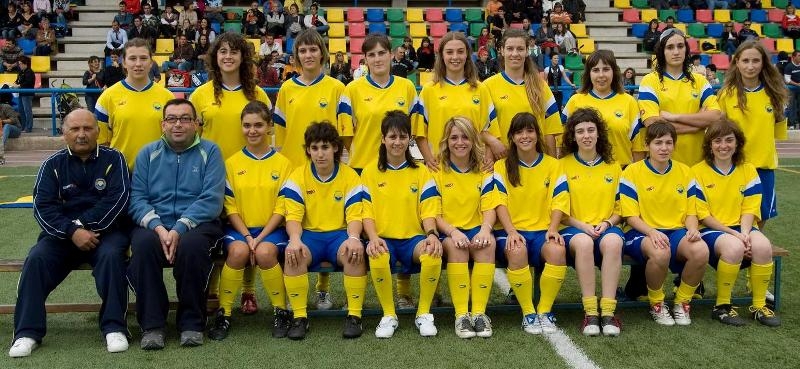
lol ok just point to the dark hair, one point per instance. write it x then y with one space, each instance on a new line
519 122
246 78
607 57
324 131
530 73
399 121
24 59
259 108
661 59
722 128
582 115
180 101
375 39
658 129
137 42
311 37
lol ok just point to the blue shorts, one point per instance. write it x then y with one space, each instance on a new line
402 250
470 233
710 237
534 241
769 201
570 232
324 246
633 247
278 237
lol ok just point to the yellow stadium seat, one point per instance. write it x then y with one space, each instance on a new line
756 27
785 44
40 64
586 45
8 78
424 77
336 30
712 41
414 15
722 15
165 46
648 15
622 4
681 26
337 44
579 30
766 4
419 30
417 42
160 59
256 44
335 15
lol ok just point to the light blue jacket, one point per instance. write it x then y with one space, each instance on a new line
177 190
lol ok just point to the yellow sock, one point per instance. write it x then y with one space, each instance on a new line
522 284
607 306
482 278
760 274
550 284
404 285
685 292
323 282
297 289
381 275
272 279
458 281
656 296
249 282
430 270
726 278
229 284
590 305
213 281
355 287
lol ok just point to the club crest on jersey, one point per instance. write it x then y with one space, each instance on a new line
381 184
310 192
323 103
618 114
401 101
448 185
413 188
680 189
695 95
608 178
338 196
476 99
368 98
157 106
768 108
100 184
275 175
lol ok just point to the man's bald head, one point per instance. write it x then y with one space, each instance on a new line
80 132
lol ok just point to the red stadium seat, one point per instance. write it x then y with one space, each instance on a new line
355 59
693 47
631 16
769 44
775 15
433 15
721 61
355 15
355 45
704 16
438 29
516 26
357 30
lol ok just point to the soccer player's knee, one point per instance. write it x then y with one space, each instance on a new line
238 252
582 244
266 251
699 251
660 257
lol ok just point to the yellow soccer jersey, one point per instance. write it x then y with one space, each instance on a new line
441 101
758 124
298 105
592 189
323 206
130 118
510 98
399 199
465 196
678 96
222 123
621 114
252 186
361 110
726 196
662 200
530 203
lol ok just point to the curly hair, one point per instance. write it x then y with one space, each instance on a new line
719 129
323 131
584 115
247 79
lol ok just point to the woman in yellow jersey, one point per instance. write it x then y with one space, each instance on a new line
602 89
592 235
365 101
254 234
728 202
518 88
753 96
466 219
130 112
674 94
455 90
527 183
400 207
656 197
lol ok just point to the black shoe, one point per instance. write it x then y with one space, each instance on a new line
352 327
222 324
298 329
281 322
726 314
765 316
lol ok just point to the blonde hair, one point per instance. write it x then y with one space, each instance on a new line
476 151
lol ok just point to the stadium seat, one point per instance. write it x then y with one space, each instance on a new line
648 15
721 76
622 4
335 15
396 41
355 15
378 27
436 41
577 79
722 15
458 27
705 59
704 16
434 15
715 30
8 78
27 46
666 13
772 30
775 15
639 29
767 4
453 15
586 45
424 77
397 30
721 61
475 29
641 4
631 16
337 44
40 64
355 60
438 29
685 15
216 27
697 30
517 25
165 46
797 44
37 80
712 41
758 15
418 30
757 28
395 15
336 30
414 15
356 29
740 15
256 43
679 26
474 15
289 45
234 27
160 59
355 45
579 30
573 62
784 44
693 46
769 44
374 15
796 3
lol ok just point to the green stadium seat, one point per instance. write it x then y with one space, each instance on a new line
797 44
396 42
573 62
235 27
772 30
577 76
740 15
397 30
640 4
665 13
475 29
395 15
473 15
780 4
697 30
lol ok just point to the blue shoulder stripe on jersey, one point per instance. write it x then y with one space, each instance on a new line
292 195
278 120
707 92
626 190
344 108
647 96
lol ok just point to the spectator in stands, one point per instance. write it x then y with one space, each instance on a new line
486 67
278 64
294 22
729 40
669 22
749 4
29 16
9 123
361 70
791 23
133 7
746 33
11 21
268 75
275 20
92 79
27 31
401 66
576 10
137 30
153 6
79 201
711 76
533 10
497 23
25 79
214 11
201 54
45 39
696 66
483 38
150 23
515 10
545 38
556 75
315 20
340 69
651 36
204 29
269 45
547 6
290 70
253 21
115 38
175 208
66 10
113 72
10 56
629 79
791 75
169 22
123 18
426 55
181 57
565 39
558 15
491 47
492 6
187 29
189 13
717 4
411 54
783 60
42 8
535 53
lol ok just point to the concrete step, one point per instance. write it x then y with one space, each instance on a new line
40 139
90 39
616 46
90 31
602 14
85 49
96 3
71 64
640 65
595 31
106 17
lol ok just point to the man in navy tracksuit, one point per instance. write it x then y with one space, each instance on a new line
79 200
177 193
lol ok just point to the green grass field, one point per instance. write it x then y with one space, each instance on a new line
75 341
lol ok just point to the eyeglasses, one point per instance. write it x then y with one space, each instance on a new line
184 119
747 24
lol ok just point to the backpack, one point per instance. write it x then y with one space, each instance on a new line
178 78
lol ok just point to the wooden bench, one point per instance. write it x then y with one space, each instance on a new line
16 266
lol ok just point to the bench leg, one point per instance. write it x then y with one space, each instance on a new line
777 264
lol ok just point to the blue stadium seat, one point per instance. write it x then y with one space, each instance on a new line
377 28
758 16
27 46
289 47
216 27
535 27
705 59
774 59
714 30
638 29
374 15
456 15
458 27
686 15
